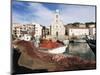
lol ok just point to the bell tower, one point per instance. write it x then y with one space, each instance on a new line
57 16
57 27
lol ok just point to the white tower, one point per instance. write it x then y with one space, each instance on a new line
57 27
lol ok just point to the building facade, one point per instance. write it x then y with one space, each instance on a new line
37 29
57 27
81 25
78 31
16 30
92 29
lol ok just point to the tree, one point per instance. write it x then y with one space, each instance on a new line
89 23
76 24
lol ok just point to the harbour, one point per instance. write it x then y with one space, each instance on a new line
79 49
60 40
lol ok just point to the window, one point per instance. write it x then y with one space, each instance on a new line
56 16
56 20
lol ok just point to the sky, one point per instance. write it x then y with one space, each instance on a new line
43 13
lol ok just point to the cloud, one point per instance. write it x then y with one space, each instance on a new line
42 14
28 12
77 13
37 13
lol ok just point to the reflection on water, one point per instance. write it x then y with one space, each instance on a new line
81 49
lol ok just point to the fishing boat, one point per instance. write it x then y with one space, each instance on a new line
58 50
80 41
92 43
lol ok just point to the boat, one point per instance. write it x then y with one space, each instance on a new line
92 43
58 50
80 41
57 47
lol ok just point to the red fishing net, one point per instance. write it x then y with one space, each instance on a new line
49 44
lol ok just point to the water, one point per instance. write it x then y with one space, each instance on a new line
82 50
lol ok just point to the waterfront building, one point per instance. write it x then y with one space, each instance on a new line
37 29
16 30
78 31
92 29
22 31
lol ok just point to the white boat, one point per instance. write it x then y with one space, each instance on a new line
80 40
58 50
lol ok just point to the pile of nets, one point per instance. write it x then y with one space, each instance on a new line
49 44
